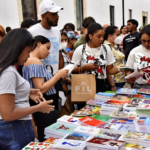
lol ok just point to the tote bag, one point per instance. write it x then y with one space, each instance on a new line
83 87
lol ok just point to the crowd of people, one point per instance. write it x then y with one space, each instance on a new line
31 62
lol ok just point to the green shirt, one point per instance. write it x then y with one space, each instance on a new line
80 42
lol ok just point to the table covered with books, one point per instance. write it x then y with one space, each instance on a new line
111 121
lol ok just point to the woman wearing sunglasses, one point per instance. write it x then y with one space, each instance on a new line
139 59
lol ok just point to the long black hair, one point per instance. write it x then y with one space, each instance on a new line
41 39
110 31
145 30
12 46
93 28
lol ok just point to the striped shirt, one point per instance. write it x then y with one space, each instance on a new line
38 71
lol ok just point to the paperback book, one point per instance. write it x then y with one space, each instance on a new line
127 91
144 91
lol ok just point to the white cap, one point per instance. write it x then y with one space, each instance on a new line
48 6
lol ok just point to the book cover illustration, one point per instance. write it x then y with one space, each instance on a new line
51 140
135 135
74 136
134 147
144 106
113 103
126 91
38 146
106 142
107 135
91 122
101 117
144 91
146 101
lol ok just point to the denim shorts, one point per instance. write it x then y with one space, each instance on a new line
15 135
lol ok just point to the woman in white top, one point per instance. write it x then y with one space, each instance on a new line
15 112
139 59
95 58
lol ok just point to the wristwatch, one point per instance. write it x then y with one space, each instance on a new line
65 81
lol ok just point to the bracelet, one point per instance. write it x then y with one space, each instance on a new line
113 85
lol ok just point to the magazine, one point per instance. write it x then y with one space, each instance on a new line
143 107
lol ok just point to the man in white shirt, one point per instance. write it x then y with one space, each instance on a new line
49 12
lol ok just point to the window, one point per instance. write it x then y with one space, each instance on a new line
130 13
112 15
79 13
29 9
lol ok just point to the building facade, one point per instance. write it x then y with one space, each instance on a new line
12 12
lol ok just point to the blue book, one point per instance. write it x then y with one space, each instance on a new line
127 91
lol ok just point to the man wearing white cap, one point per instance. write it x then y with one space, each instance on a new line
48 10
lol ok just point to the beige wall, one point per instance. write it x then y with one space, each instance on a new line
20 15
37 6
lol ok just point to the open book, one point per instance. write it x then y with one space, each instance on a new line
134 75
71 67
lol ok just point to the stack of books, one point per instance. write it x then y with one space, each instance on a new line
90 131
38 146
144 91
127 91
103 96
69 145
103 118
91 122
109 107
104 144
68 120
115 128
123 115
142 139
129 146
142 125
128 122
77 136
107 135
58 130
95 102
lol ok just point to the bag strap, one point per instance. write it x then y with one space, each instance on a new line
83 49
105 50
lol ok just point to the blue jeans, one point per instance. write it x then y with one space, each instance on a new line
15 135
120 85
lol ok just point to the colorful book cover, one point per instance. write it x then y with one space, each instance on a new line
107 135
70 144
38 146
91 122
136 147
127 91
101 117
135 135
121 121
59 127
121 98
107 142
75 136
51 140
146 101
105 94
112 103
144 106
144 91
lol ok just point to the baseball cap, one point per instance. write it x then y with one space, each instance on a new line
48 6
72 35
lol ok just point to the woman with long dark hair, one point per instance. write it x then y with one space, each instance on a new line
15 120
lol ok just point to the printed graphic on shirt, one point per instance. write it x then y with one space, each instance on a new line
53 58
101 62
143 65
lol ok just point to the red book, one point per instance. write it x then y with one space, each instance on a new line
91 122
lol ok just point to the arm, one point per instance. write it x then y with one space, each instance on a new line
10 113
111 70
39 83
111 82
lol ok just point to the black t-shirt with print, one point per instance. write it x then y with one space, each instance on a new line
130 41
